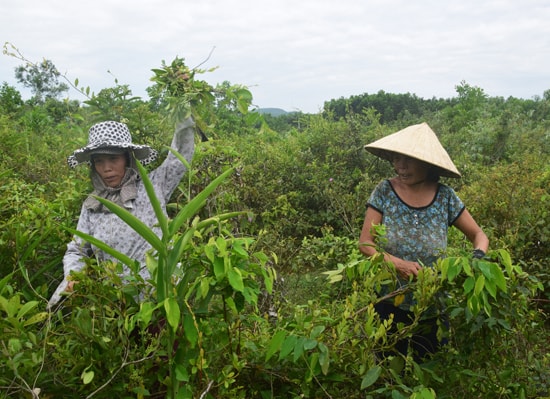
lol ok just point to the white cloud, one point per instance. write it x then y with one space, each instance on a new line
293 54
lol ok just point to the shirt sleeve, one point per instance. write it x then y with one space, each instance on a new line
168 175
73 260
455 206
377 199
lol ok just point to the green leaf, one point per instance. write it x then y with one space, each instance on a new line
190 329
499 278
424 393
235 279
480 283
299 348
36 318
454 270
491 288
87 376
181 373
288 346
218 218
26 308
371 377
506 260
275 344
4 282
204 286
177 250
466 267
316 331
172 312
219 268
395 394
468 284
485 268
309 344
193 206
145 313
324 358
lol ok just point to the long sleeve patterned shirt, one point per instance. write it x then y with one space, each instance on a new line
113 231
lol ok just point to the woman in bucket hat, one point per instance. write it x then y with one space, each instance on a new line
416 210
111 156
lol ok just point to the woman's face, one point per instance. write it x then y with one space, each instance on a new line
110 167
410 170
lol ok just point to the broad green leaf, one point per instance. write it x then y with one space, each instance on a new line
4 282
204 286
288 346
499 278
371 377
238 249
309 344
231 305
485 268
316 331
473 305
324 358
219 268
454 270
87 376
12 305
398 300
506 260
235 279
177 250
208 250
182 373
145 313
221 244
190 329
36 318
395 394
275 344
466 267
172 312
480 284
424 393
491 288
26 308
299 348
469 284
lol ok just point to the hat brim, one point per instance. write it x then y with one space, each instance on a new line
143 153
418 142
389 156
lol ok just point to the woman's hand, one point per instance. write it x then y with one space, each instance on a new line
406 268
70 286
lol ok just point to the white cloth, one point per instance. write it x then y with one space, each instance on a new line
110 229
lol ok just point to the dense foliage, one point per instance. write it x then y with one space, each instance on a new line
260 288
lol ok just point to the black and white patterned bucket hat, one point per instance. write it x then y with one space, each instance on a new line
108 137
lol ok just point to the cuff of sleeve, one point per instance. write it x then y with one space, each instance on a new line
478 253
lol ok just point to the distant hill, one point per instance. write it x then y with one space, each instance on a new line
272 111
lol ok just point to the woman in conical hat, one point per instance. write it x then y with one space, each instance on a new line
112 156
416 211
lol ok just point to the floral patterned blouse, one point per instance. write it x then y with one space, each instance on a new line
416 234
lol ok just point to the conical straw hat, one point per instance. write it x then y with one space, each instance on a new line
419 142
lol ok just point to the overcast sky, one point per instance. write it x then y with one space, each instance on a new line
294 54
